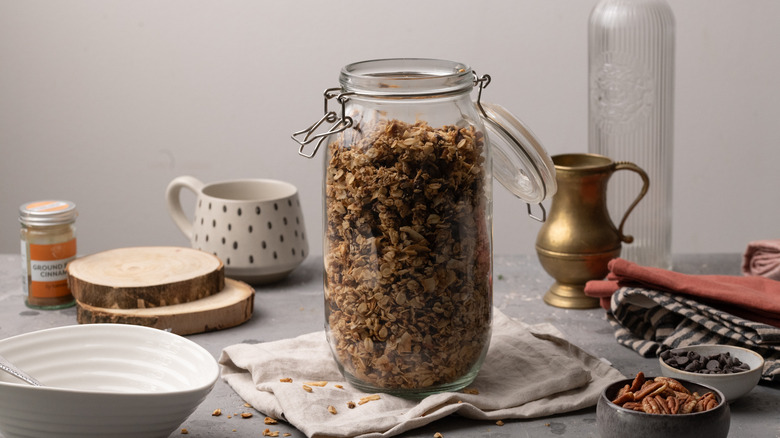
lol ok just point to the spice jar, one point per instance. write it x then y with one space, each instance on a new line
48 243
408 220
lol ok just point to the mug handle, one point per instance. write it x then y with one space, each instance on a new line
625 165
174 201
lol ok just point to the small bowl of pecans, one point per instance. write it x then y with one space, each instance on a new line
661 407
735 371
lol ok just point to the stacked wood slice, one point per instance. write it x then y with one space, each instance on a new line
171 288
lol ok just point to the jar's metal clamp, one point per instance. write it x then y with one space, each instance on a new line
481 82
339 124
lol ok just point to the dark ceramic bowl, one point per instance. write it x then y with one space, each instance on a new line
617 422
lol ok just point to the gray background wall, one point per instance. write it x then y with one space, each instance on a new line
103 102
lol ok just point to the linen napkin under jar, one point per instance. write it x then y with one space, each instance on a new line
516 381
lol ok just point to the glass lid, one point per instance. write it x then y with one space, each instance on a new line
406 77
520 163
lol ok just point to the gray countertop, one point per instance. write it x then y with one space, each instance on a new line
295 306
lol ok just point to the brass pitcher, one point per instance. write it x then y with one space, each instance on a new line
578 239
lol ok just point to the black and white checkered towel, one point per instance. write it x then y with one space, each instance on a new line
650 322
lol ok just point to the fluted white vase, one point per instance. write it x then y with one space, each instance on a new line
631 113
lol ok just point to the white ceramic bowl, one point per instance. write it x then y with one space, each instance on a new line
103 380
733 385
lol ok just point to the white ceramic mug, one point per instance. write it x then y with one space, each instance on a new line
255 226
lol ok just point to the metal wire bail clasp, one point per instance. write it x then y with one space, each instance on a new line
481 83
339 123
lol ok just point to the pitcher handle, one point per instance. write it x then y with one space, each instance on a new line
625 165
174 201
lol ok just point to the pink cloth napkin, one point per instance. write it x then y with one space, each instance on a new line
762 258
752 298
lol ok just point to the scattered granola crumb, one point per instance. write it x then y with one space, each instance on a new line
286 380
185 431
339 386
320 384
246 415
269 420
368 398
351 404
547 424
286 434
268 432
473 391
499 423
234 430
247 405
217 412
332 410
438 435
229 417
307 388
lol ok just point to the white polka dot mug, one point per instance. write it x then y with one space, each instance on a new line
255 226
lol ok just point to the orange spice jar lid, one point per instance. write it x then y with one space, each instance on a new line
47 213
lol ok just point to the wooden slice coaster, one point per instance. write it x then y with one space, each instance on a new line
141 277
228 308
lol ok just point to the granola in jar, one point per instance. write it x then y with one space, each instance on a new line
408 253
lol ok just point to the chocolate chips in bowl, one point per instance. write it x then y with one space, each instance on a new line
691 361
733 370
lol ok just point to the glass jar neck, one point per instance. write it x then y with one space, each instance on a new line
406 78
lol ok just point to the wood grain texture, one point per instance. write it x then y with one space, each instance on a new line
230 307
143 277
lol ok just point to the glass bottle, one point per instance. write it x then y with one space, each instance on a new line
631 113
48 238
407 220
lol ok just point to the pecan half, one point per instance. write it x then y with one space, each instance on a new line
663 407
688 406
673 403
650 390
639 380
623 398
705 403
673 384
650 406
634 406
